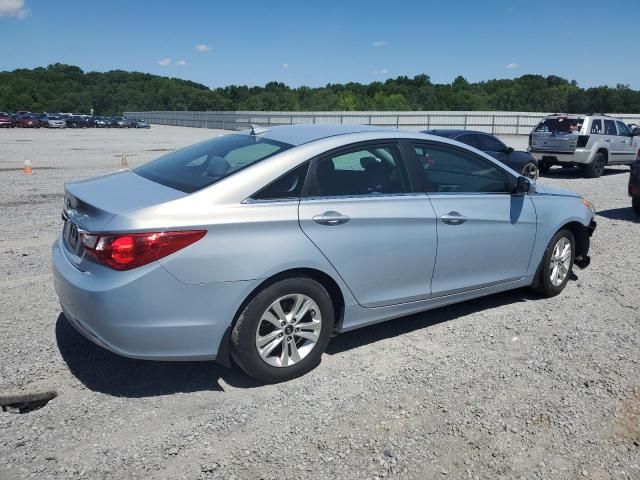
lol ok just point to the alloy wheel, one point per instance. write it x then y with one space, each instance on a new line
560 261
288 330
530 171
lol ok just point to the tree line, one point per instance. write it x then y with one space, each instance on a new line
66 88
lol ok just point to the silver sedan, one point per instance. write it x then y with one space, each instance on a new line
261 245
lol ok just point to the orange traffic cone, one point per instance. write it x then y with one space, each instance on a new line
27 168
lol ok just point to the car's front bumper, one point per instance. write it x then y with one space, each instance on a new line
146 313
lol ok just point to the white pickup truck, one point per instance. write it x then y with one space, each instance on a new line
589 141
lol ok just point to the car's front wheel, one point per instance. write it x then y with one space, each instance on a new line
283 331
557 264
530 170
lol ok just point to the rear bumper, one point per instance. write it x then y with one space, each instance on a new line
146 313
579 156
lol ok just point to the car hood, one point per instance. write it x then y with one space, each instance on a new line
559 192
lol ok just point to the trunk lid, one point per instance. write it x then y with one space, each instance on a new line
91 204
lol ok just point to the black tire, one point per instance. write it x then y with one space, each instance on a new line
243 335
543 167
635 203
595 169
542 283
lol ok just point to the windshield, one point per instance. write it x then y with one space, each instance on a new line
561 125
198 166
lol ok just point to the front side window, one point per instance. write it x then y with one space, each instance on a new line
470 139
623 130
596 127
449 169
370 170
610 127
491 144
193 168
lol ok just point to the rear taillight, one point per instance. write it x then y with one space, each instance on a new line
582 141
126 251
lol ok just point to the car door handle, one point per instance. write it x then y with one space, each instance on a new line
453 218
607 139
331 218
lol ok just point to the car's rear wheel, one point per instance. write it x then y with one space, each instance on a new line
635 203
530 170
595 169
557 265
283 331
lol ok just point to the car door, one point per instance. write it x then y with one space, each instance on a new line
485 233
358 208
626 149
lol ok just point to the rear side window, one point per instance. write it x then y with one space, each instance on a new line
623 130
367 170
560 125
596 127
289 186
198 166
610 127
452 170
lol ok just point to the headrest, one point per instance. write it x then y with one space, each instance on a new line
217 167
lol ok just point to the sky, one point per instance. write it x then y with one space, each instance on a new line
219 43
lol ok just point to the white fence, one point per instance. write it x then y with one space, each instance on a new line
498 123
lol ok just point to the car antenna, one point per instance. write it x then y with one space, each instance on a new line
257 130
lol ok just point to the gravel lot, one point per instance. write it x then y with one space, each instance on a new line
508 386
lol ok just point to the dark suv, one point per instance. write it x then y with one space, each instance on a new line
634 186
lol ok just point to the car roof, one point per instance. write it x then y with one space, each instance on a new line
452 132
300 134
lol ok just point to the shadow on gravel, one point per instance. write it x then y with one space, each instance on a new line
624 213
576 172
400 326
102 371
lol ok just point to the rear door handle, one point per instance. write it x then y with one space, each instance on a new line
453 218
331 218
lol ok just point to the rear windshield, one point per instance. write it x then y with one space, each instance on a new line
198 166
562 124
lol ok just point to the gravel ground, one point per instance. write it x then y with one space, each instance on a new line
508 386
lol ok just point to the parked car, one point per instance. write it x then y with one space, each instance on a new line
121 122
263 244
99 122
6 120
522 162
78 121
589 141
138 124
27 121
634 186
53 121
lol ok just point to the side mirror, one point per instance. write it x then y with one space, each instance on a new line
509 150
523 185
635 132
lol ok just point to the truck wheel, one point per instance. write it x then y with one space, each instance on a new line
543 167
595 169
